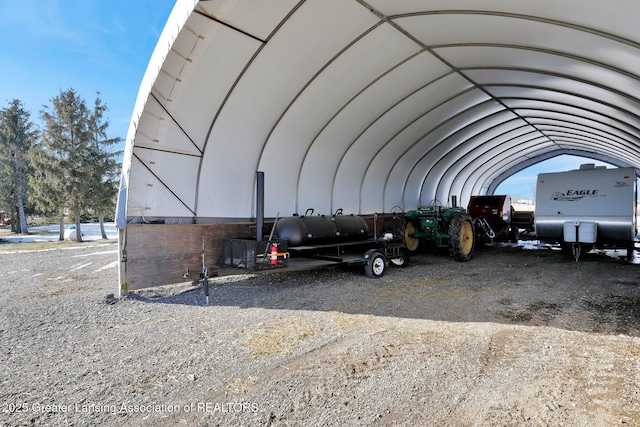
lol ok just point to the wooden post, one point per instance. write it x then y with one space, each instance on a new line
122 254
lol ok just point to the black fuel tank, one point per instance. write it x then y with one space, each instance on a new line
351 227
319 229
305 230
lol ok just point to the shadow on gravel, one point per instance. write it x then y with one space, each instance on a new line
185 295
500 284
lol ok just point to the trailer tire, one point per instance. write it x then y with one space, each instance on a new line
400 261
376 264
461 237
514 234
631 253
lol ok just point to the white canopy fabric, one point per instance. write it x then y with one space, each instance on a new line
367 105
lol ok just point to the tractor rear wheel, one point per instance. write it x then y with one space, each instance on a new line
461 237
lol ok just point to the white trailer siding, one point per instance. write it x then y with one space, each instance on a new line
603 196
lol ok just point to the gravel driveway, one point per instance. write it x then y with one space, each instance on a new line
512 337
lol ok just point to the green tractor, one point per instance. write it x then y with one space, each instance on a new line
439 227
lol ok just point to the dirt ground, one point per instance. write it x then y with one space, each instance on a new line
515 337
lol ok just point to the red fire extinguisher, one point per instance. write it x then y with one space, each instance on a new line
274 253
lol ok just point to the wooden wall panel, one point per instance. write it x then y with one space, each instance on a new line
160 254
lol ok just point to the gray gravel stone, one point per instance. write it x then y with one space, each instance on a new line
512 337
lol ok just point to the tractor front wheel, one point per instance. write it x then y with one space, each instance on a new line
461 237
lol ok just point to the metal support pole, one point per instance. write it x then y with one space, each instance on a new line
259 205
375 225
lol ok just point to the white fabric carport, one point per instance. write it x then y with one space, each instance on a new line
367 105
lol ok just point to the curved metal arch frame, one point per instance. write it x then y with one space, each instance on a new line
403 155
456 145
374 120
390 70
491 148
460 71
400 130
524 17
554 74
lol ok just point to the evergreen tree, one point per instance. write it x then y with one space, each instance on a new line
72 161
106 171
17 136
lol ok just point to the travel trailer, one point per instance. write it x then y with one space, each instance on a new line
586 208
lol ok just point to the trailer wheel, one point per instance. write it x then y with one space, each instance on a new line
376 264
631 253
461 237
400 261
408 231
514 234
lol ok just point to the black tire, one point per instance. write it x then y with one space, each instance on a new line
461 237
402 261
481 235
514 234
631 253
407 229
376 264
566 249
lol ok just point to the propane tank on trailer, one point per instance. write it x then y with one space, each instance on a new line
350 227
306 229
310 230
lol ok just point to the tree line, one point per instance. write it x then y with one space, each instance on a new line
68 168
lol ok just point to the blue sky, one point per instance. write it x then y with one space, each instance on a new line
523 184
49 46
